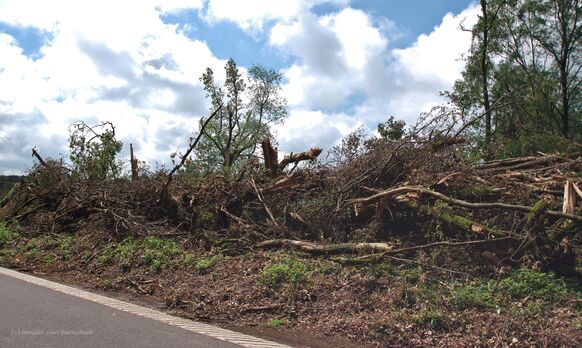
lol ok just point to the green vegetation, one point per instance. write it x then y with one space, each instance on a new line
247 110
7 234
157 252
65 247
275 323
126 250
520 284
289 271
93 150
431 318
202 264
520 91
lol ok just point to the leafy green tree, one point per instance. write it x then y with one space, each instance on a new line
391 129
520 91
93 150
249 108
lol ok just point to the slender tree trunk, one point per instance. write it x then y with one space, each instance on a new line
485 82
565 102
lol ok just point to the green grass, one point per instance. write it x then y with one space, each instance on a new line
525 282
106 255
275 323
288 271
474 295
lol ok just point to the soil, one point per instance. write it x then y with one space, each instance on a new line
339 306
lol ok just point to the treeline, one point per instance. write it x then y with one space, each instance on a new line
7 181
520 90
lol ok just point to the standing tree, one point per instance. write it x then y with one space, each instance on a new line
520 89
250 108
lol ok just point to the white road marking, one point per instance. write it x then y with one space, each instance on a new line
193 326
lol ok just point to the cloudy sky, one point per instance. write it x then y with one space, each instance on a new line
137 64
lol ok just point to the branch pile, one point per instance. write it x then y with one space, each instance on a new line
391 198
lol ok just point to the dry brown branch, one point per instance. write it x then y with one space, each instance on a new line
457 202
37 155
133 161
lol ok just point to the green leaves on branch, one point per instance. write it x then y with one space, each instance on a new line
93 150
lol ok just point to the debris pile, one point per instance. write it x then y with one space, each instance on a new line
391 197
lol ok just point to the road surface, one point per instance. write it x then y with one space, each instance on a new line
38 313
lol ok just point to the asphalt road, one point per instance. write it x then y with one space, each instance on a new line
35 316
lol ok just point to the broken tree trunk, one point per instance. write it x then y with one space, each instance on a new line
569 198
133 160
270 155
298 157
37 155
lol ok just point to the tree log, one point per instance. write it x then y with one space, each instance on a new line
319 249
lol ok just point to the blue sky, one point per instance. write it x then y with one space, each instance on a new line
347 64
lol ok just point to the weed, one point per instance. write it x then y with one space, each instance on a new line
31 245
49 260
383 269
6 254
520 284
289 271
157 252
65 247
330 268
431 318
7 234
275 323
525 282
126 250
474 295
106 255
202 264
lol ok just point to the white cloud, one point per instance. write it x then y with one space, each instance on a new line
117 61
253 14
106 60
436 56
304 129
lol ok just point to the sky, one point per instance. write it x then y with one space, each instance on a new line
137 63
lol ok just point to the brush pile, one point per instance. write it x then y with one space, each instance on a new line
387 198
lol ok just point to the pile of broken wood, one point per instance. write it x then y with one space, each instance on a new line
391 200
